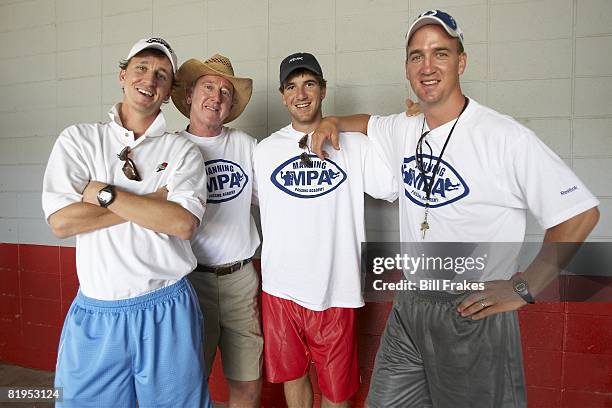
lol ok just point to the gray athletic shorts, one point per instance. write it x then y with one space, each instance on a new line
430 356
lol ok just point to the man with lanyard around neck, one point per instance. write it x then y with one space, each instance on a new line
132 194
210 95
310 206
481 172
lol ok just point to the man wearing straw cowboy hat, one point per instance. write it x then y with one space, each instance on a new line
210 95
132 194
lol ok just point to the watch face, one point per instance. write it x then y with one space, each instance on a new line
521 287
105 196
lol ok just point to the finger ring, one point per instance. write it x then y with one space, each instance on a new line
483 304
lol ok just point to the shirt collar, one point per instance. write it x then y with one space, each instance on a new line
296 133
445 128
157 128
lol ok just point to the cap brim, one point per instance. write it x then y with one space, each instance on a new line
194 69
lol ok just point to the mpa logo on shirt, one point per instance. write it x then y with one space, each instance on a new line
448 187
226 180
298 180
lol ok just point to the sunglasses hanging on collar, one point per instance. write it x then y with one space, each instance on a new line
129 168
304 157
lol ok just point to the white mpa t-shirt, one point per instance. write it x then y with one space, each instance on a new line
126 260
313 218
227 232
492 171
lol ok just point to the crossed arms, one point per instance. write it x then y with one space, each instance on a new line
80 165
152 211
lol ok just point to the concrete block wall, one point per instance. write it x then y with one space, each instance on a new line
545 62
542 61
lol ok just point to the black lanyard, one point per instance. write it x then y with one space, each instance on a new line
421 167
429 185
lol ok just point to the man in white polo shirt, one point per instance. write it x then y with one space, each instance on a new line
210 95
312 218
132 194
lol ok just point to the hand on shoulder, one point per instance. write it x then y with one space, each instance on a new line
412 108
326 131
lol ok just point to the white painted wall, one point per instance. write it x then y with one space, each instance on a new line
546 62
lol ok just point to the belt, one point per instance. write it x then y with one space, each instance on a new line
223 270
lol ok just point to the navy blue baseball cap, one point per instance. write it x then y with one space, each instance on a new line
436 17
299 60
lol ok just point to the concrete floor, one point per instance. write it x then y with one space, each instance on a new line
15 376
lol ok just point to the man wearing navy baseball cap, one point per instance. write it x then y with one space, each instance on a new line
311 206
297 61
468 174
132 194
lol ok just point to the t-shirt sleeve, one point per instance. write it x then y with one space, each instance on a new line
552 191
66 175
385 133
187 184
378 178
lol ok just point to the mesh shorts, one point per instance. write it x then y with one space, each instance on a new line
430 356
146 349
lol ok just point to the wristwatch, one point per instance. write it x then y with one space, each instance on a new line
520 286
106 196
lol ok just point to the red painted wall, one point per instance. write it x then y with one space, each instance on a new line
567 346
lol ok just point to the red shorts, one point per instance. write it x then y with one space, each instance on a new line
294 336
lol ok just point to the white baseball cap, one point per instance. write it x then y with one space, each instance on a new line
158 44
436 17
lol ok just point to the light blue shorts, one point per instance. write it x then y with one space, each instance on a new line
146 349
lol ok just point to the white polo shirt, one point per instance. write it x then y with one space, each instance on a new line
312 219
126 260
227 232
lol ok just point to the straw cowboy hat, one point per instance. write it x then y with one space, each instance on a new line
219 65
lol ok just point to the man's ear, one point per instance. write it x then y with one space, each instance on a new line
462 62
282 96
323 92
168 96
122 73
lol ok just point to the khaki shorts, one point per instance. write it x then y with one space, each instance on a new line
231 321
